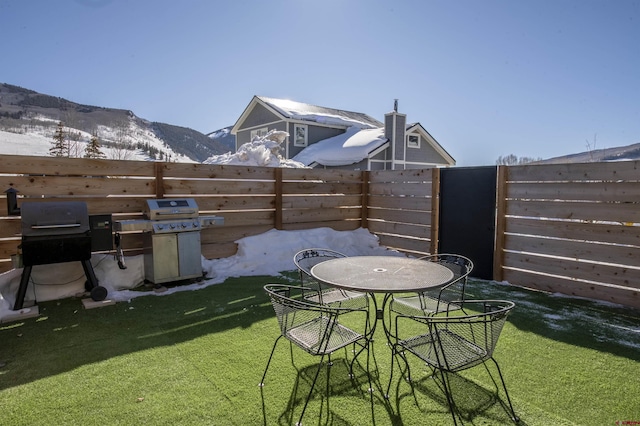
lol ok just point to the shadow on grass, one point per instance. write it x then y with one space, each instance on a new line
333 383
579 322
472 401
66 336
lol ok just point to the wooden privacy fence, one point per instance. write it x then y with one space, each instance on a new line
571 228
568 228
396 205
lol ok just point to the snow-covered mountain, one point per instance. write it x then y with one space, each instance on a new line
29 120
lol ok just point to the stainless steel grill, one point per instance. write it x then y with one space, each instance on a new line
56 232
171 235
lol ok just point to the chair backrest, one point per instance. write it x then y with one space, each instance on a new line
308 325
461 267
308 258
467 337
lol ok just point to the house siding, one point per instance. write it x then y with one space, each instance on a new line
259 116
401 122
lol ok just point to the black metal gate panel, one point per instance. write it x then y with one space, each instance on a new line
468 216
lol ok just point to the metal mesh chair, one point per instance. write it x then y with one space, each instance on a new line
446 298
321 292
315 329
456 342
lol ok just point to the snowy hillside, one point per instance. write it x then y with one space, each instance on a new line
28 121
40 139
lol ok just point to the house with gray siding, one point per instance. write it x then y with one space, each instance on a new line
332 138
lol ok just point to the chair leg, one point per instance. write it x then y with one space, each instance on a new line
311 390
449 395
514 417
269 362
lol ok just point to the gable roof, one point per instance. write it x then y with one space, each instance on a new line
298 111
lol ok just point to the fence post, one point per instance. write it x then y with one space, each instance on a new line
435 210
277 217
158 169
365 175
501 211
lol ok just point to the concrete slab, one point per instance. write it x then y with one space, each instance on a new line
21 314
91 304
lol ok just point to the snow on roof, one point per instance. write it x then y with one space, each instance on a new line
306 112
350 147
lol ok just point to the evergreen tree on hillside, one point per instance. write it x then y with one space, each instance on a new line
59 146
93 148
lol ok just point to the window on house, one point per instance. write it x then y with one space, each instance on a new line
259 132
300 132
413 141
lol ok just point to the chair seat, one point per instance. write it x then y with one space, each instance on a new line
420 305
457 352
312 337
337 297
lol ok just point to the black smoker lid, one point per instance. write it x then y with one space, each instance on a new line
54 218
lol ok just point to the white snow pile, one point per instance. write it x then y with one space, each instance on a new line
351 147
261 151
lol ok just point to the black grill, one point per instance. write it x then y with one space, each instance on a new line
56 232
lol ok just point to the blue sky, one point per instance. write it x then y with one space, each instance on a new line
486 78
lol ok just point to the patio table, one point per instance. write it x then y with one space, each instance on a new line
382 274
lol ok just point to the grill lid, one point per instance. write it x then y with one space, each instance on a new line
172 208
54 218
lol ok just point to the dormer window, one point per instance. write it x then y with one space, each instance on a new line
300 135
413 141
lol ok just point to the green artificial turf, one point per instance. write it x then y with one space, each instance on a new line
196 358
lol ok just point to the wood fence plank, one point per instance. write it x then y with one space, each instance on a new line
313 187
609 171
628 192
422 189
338 225
408 244
419 231
18 164
320 201
586 271
597 252
189 187
611 212
405 203
319 215
404 216
407 175
240 202
587 231
216 171
333 175
36 186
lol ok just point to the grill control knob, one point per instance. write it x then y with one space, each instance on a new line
184 225
173 226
